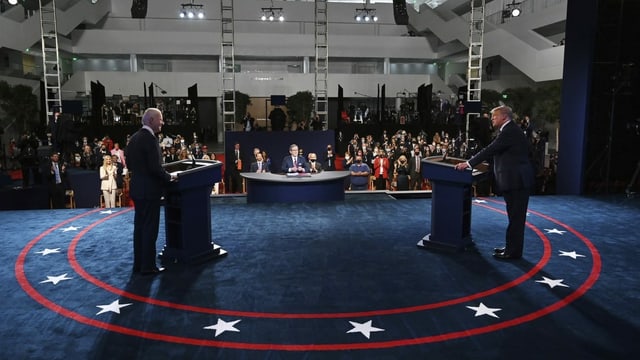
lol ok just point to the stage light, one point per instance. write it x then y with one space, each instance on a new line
511 10
191 11
272 13
365 14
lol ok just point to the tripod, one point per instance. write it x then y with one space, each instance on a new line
633 181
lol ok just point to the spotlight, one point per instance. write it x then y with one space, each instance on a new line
191 11
13 2
511 10
271 14
365 14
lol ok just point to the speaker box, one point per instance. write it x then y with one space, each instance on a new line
139 9
400 14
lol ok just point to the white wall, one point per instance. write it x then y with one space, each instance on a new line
255 85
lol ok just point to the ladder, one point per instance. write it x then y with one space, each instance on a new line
51 68
322 62
474 66
227 66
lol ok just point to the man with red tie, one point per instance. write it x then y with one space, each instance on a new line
294 163
381 170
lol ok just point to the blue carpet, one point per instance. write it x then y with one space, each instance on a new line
327 281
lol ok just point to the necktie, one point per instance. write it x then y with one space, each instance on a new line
57 173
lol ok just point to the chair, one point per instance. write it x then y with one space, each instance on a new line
70 200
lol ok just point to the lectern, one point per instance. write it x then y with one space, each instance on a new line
188 212
450 203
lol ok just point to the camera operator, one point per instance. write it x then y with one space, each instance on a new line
28 159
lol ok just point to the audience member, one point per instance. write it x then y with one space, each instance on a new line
402 173
108 183
259 166
359 174
330 159
415 168
56 179
381 170
234 165
314 165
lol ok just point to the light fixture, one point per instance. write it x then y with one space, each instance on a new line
94 1
511 10
191 11
365 14
272 13
13 2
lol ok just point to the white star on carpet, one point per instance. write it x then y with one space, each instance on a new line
552 283
222 326
571 254
113 307
108 212
555 231
56 279
482 309
70 228
480 201
48 251
365 328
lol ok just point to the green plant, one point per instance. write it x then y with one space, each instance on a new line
19 104
299 106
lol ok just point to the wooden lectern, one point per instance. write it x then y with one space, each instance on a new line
188 212
450 203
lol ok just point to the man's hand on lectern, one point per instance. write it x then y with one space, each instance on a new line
462 166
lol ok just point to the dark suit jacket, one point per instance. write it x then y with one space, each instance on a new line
510 152
144 160
412 165
287 163
254 167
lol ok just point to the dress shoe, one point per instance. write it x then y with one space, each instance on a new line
498 250
154 271
505 256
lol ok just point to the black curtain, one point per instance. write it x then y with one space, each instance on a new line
340 104
98 99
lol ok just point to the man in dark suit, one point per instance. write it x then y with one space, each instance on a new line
294 163
259 166
148 180
415 172
513 176
234 165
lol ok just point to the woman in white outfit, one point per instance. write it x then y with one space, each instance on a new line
108 173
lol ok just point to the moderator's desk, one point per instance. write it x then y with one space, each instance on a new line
280 188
